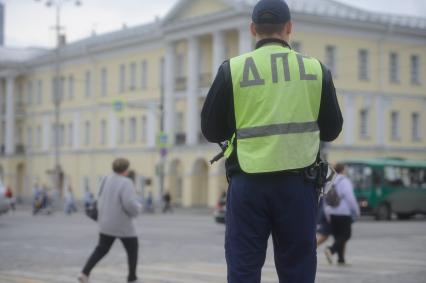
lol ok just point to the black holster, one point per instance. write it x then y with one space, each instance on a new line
317 175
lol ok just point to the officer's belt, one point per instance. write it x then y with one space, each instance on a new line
277 129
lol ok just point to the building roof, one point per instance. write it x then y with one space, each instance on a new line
335 9
326 9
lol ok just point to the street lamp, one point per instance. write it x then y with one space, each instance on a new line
57 86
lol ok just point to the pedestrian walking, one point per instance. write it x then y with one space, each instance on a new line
70 206
167 199
341 214
273 106
12 200
117 207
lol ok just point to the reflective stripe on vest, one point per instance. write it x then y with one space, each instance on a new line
277 95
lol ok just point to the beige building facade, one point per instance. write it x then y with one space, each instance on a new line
114 87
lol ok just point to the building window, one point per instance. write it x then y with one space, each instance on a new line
144 129
104 82
29 138
39 91
132 130
122 78
70 134
103 132
395 134
363 127
30 93
88 84
394 67
61 135
415 124
132 76
415 69
122 131
144 75
39 133
363 70
330 58
87 132
71 87
180 65
296 46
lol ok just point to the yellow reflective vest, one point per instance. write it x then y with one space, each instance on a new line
277 96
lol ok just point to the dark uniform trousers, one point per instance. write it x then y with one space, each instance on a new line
283 205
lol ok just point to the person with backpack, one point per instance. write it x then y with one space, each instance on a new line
341 208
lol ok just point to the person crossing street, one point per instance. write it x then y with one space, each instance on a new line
273 106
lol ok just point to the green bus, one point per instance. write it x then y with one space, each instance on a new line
389 185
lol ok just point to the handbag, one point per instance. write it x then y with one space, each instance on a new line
92 210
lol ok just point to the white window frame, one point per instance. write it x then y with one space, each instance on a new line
39 92
144 129
364 130
87 133
133 71
415 76
104 82
394 67
144 74
39 136
132 130
104 132
70 137
71 87
395 126
416 133
122 131
88 84
30 92
122 77
363 65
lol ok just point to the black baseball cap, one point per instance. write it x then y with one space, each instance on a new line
271 12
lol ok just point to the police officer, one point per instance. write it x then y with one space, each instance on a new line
274 106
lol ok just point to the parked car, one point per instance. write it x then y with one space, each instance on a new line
220 210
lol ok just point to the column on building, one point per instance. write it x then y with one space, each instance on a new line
245 40
152 125
76 131
169 98
113 123
193 116
349 118
218 50
10 116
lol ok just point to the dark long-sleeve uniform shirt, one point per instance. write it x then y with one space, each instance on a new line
218 116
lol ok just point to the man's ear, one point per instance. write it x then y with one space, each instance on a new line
288 27
253 29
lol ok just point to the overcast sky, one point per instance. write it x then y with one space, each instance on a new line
28 22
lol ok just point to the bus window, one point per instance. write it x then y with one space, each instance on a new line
405 177
360 175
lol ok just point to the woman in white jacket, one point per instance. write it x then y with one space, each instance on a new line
341 216
117 206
